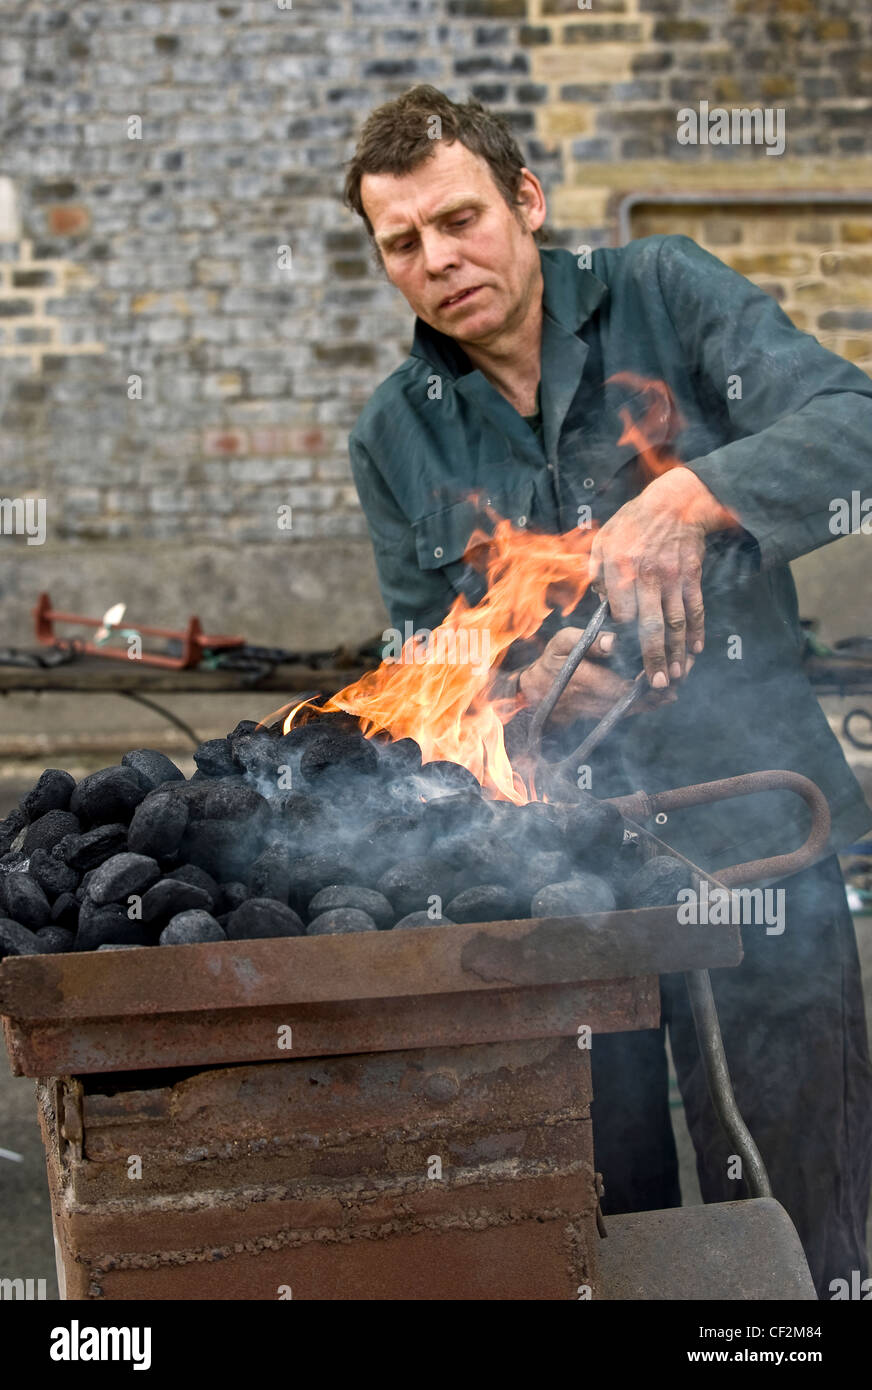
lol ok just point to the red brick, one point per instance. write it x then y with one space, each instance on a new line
220 443
68 219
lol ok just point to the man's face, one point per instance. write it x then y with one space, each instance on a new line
445 230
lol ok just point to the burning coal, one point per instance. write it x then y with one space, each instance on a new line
316 831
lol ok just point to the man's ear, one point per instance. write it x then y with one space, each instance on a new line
531 200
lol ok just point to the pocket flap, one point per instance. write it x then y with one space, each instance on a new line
442 537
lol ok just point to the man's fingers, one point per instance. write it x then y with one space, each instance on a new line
652 633
620 587
603 646
676 626
694 608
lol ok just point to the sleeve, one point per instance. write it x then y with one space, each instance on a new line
410 594
804 418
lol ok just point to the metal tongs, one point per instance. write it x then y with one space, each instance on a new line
601 730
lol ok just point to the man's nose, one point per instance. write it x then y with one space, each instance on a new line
439 251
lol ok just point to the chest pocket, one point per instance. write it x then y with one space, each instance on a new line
441 539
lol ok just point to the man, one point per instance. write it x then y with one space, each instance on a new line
527 385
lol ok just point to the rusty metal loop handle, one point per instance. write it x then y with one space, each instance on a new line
641 806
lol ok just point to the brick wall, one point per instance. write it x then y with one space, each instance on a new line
167 385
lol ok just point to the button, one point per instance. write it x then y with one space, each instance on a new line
489 503
438 552
522 521
589 482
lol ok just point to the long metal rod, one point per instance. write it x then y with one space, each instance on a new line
564 676
714 1060
605 726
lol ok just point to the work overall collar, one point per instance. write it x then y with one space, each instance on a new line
569 298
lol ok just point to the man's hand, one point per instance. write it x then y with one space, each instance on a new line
648 560
593 688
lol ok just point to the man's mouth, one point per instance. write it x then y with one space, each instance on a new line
459 298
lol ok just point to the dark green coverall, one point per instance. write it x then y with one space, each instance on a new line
778 428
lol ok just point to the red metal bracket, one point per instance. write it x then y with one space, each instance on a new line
194 641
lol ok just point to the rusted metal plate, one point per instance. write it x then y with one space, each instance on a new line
383 965
212 1003
321 1177
82 1045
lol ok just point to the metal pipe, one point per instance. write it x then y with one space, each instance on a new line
815 197
714 1060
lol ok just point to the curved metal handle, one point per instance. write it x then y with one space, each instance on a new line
640 806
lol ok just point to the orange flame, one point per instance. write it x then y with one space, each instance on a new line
437 690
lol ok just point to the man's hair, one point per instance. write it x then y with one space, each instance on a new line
398 136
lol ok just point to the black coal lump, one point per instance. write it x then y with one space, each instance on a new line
449 777
152 767
158 825
214 758
49 830
172 896
258 755
82 890
245 726
312 872
83 852
657 883
354 895
53 875
26 902
65 911
10 829
389 838
233 799
400 758
302 816
187 928
543 867
487 902
576 897
298 739
422 919
338 753
123 874
262 917
232 895
540 825
224 848
592 824
481 858
54 940
51 792
411 883
109 924
16 940
192 873
109 796
192 793
270 875
463 811
340 921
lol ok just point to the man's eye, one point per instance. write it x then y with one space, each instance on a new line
461 222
